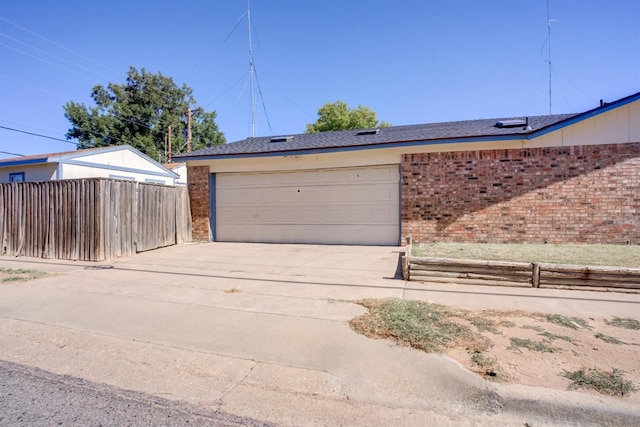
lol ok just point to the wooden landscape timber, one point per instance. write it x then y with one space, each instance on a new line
576 276
518 274
91 219
470 272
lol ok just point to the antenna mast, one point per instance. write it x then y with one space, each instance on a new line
251 76
549 20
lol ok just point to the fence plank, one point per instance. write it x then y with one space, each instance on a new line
91 219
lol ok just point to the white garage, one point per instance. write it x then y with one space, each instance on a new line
358 205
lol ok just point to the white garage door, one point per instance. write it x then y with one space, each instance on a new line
331 206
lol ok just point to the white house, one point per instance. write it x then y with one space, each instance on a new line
116 162
181 170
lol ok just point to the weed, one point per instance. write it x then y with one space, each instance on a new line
13 279
483 324
19 274
489 366
569 322
421 325
611 383
517 343
482 361
507 324
552 337
609 340
535 328
624 322
15 270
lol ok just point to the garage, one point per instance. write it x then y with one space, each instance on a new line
359 206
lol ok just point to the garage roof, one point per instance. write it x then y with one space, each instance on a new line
78 157
432 133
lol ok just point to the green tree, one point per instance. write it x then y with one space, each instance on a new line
338 116
139 113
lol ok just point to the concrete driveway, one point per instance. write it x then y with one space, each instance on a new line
261 331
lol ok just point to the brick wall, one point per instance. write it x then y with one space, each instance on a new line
582 194
198 185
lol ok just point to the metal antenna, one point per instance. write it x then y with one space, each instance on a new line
251 76
549 21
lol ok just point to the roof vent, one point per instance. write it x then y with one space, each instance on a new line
281 139
511 123
369 132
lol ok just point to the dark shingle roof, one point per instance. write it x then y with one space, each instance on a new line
388 135
432 132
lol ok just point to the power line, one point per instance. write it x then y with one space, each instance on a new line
64 140
12 154
35 86
43 60
58 44
37 134
54 56
22 125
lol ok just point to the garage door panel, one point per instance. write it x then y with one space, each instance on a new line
385 194
333 206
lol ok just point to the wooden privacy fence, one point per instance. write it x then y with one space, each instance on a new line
91 219
536 275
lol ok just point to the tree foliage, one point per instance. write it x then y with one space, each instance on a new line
139 113
337 116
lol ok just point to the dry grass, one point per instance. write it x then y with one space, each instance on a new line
609 339
611 255
421 325
539 346
568 322
611 383
8 275
624 322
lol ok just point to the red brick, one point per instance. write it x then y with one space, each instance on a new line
199 195
582 194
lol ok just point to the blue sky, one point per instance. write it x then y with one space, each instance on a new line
410 61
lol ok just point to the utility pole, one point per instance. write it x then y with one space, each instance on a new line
189 112
189 130
169 143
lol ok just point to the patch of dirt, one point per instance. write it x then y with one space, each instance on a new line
556 351
530 349
538 350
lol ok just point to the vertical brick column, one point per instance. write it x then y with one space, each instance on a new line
199 195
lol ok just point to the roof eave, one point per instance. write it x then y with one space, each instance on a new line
25 162
584 116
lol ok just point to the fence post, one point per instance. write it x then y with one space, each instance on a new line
536 275
405 258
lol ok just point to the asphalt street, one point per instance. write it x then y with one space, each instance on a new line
31 396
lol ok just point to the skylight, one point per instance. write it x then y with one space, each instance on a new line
511 123
281 139
369 132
